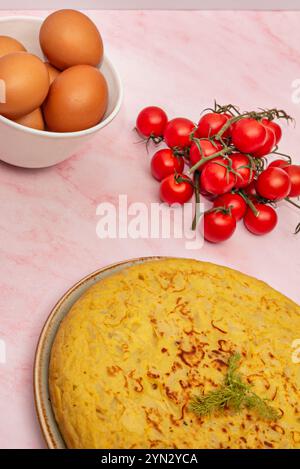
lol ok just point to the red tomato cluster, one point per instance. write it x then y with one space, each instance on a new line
223 158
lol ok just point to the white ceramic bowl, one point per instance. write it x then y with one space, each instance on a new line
30 148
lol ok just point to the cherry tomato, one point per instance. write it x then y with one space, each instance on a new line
275 127
229 116
268 144
172 191
250 190
262 223
177 133
273 184
207 195
242 165
293 171
151 122
248 135
208 149
278 164
210 124
235 202
164 163
216 178
219 225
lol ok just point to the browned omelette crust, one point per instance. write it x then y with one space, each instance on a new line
136 346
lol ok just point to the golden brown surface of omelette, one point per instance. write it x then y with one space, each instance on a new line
137 345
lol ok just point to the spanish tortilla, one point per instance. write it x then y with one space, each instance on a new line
137 346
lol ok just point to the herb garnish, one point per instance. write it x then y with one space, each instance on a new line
233 394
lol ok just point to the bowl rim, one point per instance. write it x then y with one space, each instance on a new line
40 407
63 135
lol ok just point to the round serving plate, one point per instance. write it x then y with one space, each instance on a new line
45 414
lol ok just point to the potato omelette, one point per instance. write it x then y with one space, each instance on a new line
139 344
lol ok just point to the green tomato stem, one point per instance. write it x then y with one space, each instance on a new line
249 202
207 158
197 201
292 202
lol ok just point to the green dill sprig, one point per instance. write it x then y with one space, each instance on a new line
234 394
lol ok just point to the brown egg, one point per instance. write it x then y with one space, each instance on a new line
77 99
26 84
34 120
9 44
68 37
53 72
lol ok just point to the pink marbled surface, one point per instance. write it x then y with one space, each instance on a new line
181 61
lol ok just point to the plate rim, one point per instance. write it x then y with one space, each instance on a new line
39 403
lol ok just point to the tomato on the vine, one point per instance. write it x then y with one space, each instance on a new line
243 166
216 178
248 135
263 222
219 225
234 202
268 145
275 127
293 171
173 189
203 192
211 123
273 184
278 164
207 195
250 190
151 122
178 132
207 148
164 163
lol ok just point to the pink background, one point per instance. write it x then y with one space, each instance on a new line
181 61
154 4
